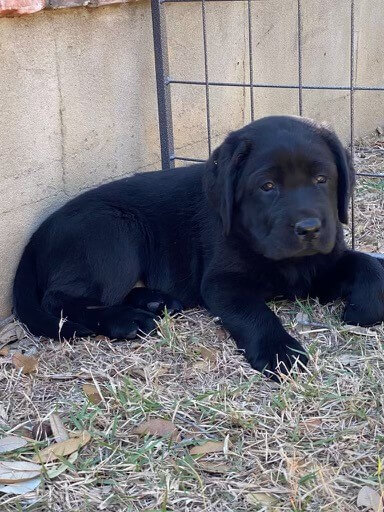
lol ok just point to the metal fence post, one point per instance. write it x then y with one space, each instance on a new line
162 84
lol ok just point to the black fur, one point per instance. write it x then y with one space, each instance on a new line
261 219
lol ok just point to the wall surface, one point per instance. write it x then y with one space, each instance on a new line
78 94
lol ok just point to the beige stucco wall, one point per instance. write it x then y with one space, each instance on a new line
78 99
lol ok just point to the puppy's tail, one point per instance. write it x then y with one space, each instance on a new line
27 305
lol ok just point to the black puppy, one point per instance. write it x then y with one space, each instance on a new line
260 219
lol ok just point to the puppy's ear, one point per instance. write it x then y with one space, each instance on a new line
221 176
346 172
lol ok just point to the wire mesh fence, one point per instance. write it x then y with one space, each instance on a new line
165 80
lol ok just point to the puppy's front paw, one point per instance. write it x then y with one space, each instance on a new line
365 303
274 356
365 312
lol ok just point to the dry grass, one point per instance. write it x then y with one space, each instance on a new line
308 445
369 203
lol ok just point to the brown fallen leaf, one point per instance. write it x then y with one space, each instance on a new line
4 351
10 443
158 427
311 424
56 450
102 338
75 434
4 361
207 447
14 471
92 393
199 365
161 371
135 371
370 499
24 432
213 467
260 498
222 334
27 364
208 354
58 429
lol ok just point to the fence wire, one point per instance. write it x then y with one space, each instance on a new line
164 81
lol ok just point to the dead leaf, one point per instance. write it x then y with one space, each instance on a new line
4 351
311 424
24 432
213 467
348 359
221 334
21 487
260 498
208 354
199 365
10 443
207 447
58 470
75 433
158 427
6 321
370 499
4 361
102 338
27 364
135 371
302 318
56 450
14 471
92 393
161 371
11 332
58 429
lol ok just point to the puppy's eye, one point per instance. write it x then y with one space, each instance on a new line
321 179
268 186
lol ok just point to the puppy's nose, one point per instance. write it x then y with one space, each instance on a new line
308 227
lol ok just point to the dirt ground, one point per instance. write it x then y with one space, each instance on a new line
231 440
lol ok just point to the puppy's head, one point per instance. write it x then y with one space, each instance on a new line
284 184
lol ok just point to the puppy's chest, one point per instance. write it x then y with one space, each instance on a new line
294 281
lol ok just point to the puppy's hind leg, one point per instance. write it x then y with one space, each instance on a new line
124 322
119 321
70 313
91 282
153 301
